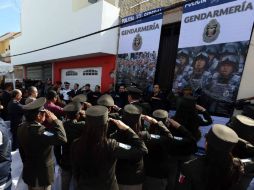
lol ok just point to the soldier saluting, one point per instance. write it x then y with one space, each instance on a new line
36 143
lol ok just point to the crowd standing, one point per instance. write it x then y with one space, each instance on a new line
121 140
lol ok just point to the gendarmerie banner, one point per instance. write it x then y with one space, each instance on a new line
213 45
138 49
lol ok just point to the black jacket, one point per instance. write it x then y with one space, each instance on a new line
162 145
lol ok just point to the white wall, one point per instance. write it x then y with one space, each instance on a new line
47 22
246 88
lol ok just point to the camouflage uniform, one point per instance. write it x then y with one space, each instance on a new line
199 81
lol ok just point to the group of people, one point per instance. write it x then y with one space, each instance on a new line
137 67
213 72
121 142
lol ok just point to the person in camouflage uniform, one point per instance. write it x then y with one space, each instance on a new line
182 69
199 77
223 87
213 62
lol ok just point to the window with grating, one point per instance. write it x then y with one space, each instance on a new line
71 73
90 72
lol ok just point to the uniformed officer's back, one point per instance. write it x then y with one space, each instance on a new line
94 155
217 170
36 144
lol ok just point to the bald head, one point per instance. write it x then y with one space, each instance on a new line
16 94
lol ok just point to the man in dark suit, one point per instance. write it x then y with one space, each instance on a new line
75 91
36 144
15 114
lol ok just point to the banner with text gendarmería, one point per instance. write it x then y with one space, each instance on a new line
138 49
213 45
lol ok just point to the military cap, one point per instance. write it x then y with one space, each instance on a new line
248 111
131 114
66 83
36 105
51 94
106 100
96 115
133 90
243 126
160 115
132 109
72 107
80 98
221 138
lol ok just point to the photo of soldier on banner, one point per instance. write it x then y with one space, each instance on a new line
212 52
212 73
138 68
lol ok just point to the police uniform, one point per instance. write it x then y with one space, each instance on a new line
222 90
73 129
100 174
213 62
181 146
194 173
36 143
129 173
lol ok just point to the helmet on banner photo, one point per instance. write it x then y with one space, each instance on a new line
229 49
229 59
201 56
212 50
181 55
183 52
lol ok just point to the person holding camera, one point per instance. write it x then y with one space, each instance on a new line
94 155
36 144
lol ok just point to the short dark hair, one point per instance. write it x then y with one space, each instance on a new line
51 95
88 85
76 84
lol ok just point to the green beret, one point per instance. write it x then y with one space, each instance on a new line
106 100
